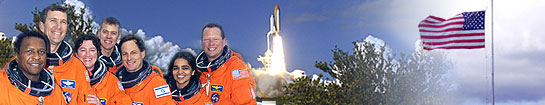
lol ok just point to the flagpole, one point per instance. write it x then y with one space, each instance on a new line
492 46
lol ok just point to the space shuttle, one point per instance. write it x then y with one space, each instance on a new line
275 21
274 25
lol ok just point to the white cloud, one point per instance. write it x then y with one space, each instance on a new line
158 52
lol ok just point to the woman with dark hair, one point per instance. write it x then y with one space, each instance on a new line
183 80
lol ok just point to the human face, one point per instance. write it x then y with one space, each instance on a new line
109 35
88 54
55 26
212 43
181 72
31 57
132 57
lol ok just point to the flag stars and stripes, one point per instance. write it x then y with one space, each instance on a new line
473 20
464 31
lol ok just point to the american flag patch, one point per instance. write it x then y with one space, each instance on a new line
238 74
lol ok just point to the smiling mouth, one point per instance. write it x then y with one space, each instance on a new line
57 33
87 59
35 64
108 42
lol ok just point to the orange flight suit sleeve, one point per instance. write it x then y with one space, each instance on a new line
243 88
119 96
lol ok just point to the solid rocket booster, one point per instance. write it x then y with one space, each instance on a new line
275 22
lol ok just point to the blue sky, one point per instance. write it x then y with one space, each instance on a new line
310 29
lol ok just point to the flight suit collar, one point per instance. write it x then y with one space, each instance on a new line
63 54
42 87
206 66
114 60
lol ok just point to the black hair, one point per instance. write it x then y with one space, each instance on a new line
137 40
212 25
190 59
52 7
24 35
85 37
111 21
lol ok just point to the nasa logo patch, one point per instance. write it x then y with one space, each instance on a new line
67 96
103 101
215 97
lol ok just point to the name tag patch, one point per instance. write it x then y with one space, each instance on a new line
137 103
68 84
161 91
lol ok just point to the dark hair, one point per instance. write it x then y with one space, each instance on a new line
111 21
52 7
137 40
190 59
24 35
85 37
212 25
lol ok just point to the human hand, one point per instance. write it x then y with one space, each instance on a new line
93 99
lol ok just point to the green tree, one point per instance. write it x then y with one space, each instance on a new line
421 79
362 77
6 51
78 24
371 76
305 91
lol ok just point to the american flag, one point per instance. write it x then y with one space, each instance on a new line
464 31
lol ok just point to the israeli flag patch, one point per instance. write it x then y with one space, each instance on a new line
68 84
161 91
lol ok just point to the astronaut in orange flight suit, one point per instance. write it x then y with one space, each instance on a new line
226 77
183 80
69 72
23 80
108 88
141 80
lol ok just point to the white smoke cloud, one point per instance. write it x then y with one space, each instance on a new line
270 84
158 52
